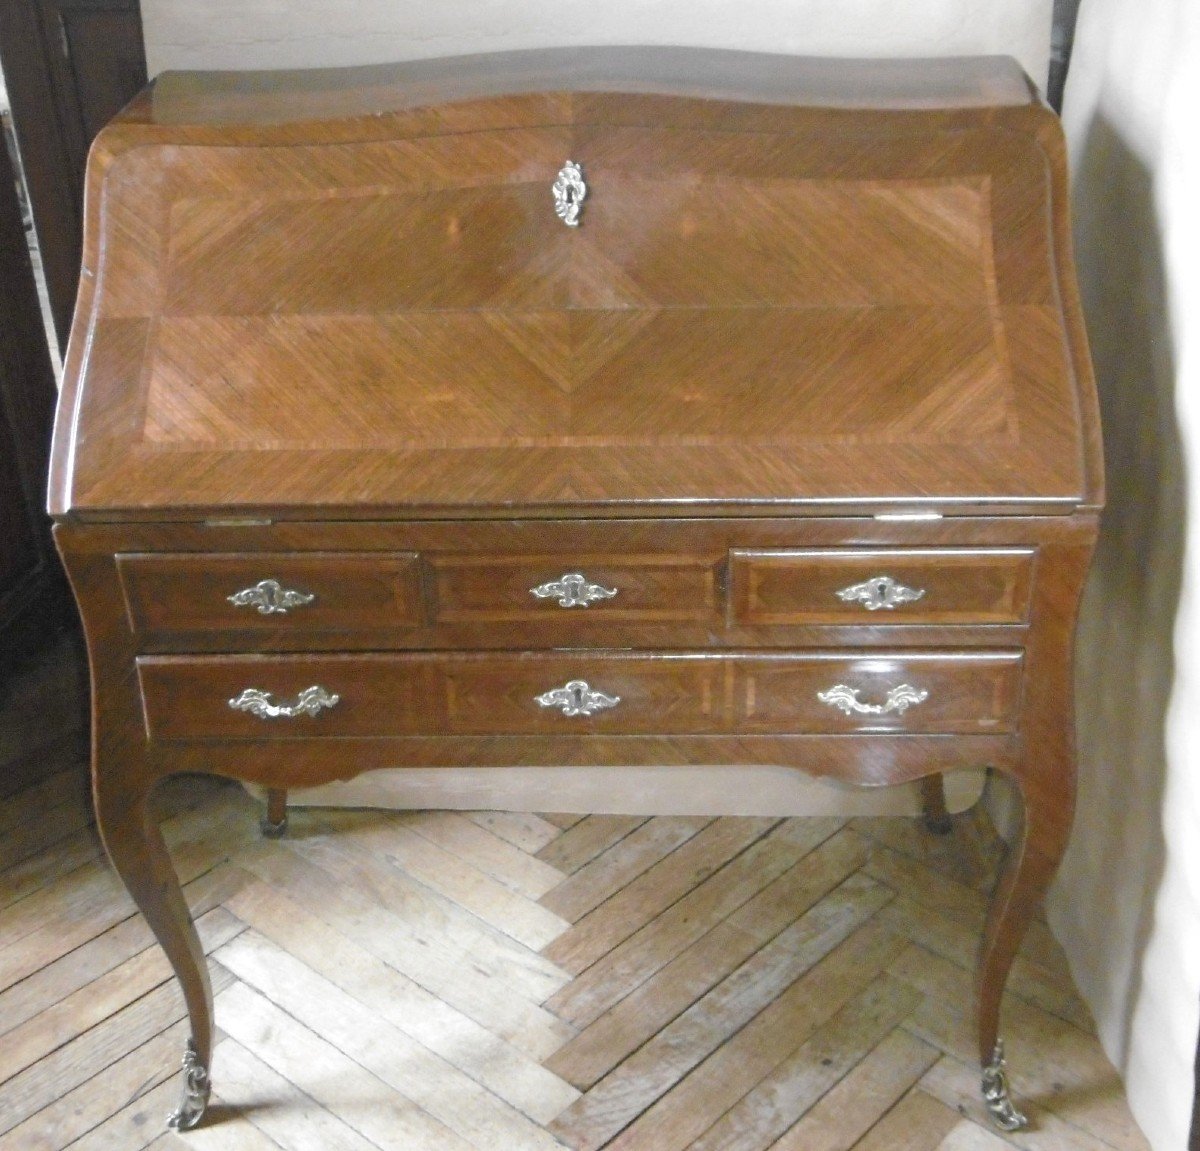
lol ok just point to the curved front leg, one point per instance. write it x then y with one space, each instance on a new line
135 845
1045 776
1026 875
124 775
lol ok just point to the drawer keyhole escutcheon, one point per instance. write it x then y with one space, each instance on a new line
577 698
898 700
880 592
309 702
270 597
572 590
569 192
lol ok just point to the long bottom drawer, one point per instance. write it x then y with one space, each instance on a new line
328 697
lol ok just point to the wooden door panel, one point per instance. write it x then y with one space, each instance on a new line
69 66
19 553
30 581
104 60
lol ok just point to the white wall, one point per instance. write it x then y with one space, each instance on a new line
1127 901
313 33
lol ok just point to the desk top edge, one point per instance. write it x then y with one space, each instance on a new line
291 96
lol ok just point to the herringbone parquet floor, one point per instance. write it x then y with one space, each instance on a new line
516 982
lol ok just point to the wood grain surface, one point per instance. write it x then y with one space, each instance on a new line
795 343
821 307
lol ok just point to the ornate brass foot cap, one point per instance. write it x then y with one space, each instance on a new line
196 1087
996 1097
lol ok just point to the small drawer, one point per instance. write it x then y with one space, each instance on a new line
578 590
576 693
282 697
278 592
926 693
893 586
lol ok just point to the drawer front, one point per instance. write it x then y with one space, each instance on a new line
576 591
931 694
282 592
562 693
893 586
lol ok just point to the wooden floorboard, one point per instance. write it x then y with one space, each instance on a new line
500 981
653 892
620 864
862 1096
583 841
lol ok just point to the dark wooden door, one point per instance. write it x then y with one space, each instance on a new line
31 586
69 65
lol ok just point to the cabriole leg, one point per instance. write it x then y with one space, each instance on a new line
1045 776
1027 871
136 848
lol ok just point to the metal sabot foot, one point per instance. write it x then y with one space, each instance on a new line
196 1087
996 1096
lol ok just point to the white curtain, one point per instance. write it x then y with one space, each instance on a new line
1127 902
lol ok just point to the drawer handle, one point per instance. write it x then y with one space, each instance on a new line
899 700
576 698
270 596
572 590
880 592
309 702
569 192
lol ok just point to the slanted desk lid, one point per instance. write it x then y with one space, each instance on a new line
771 297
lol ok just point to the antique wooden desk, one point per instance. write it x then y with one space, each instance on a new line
590 407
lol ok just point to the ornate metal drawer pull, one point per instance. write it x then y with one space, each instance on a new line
880 592
569 193
572 590
576 698
899 700
270 596
309 702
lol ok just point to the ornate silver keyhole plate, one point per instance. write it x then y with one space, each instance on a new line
569 193
577 698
